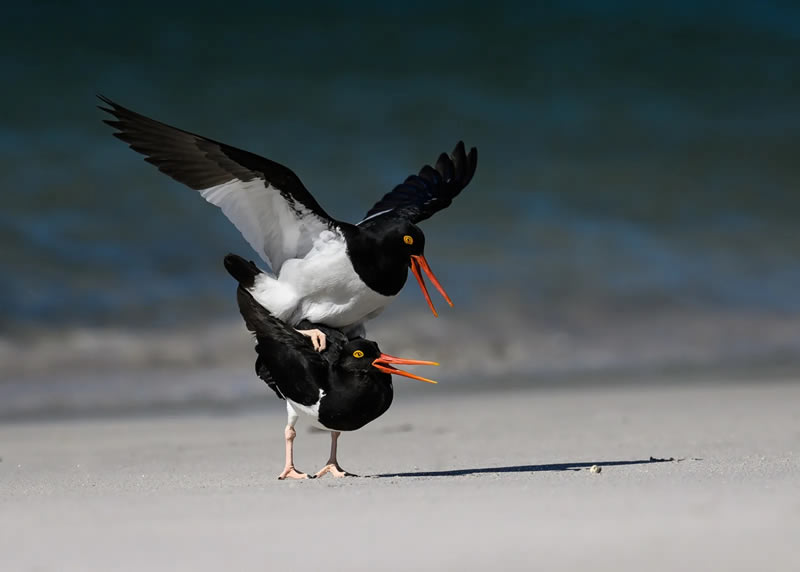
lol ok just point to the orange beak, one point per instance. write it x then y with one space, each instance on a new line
418 262
383 364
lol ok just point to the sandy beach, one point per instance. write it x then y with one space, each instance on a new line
468 481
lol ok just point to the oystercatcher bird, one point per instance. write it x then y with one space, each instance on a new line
323 270
341 389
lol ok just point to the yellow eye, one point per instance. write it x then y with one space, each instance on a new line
358 354
408 240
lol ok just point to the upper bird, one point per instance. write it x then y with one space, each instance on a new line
323 270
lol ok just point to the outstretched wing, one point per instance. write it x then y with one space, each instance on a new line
433 189
266 201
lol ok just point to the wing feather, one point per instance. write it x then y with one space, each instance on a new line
422 195
266 201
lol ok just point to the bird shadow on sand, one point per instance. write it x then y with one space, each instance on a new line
577 466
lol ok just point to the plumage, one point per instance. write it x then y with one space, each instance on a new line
288 363
421 196
340 389
266 201
323 270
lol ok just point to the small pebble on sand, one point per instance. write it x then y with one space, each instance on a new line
595 469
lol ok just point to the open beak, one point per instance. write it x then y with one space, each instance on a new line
383 364
418 262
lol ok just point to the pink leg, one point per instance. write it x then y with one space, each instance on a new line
289 472
333 466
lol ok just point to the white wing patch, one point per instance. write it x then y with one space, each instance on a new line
374 215
276 228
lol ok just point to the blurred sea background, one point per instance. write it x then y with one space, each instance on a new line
634 213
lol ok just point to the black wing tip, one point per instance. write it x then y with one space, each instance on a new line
123 114
458 168
473 157
119 113
472 164
113 107
460 150
432 188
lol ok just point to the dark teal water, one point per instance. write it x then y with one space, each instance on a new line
637 187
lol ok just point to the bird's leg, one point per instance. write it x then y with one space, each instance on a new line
318 339
289 472
333 465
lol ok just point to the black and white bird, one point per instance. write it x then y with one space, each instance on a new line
323 270
343 388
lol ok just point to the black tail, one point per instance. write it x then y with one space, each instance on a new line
244 271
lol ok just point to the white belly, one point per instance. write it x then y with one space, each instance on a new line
323 288
310 412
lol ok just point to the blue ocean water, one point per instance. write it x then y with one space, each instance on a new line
635 202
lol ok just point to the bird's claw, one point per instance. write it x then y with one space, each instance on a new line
335 470
292 473
318 339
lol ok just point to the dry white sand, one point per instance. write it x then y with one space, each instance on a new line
490 482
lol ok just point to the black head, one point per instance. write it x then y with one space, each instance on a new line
384 250
381 252
357 356
404 238
363 357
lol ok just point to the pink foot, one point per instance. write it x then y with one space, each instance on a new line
292 473
318 339
335 470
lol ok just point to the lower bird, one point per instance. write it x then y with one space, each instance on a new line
343 388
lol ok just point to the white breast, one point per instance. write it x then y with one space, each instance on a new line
322 287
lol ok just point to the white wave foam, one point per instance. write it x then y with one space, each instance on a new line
73 369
